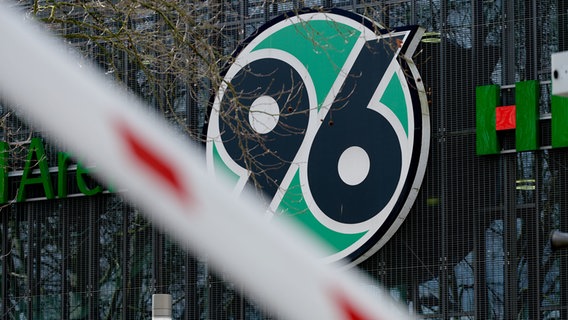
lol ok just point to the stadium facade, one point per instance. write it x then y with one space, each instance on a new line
475 244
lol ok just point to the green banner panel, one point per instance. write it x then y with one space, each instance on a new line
559 117
527 133
486 102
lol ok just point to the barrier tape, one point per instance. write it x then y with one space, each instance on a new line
165 175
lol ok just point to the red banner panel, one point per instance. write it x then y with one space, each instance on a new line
506 118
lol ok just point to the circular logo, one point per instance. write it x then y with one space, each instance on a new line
324 112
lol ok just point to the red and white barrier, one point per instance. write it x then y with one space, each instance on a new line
165 175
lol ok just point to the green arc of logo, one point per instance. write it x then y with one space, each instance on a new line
294 206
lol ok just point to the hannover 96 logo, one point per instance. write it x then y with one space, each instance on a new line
325 113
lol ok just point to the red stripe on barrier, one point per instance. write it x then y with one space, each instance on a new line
506 118
351 313
145 156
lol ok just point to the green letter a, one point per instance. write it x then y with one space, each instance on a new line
36 156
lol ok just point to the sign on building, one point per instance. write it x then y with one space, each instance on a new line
326 114
523 117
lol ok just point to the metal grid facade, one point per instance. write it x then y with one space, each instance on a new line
474 246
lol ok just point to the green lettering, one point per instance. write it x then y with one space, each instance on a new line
82 184
486 100
63 161
526 96
559 118
527 117
36 157
4 147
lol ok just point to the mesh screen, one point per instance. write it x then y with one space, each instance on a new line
474 246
